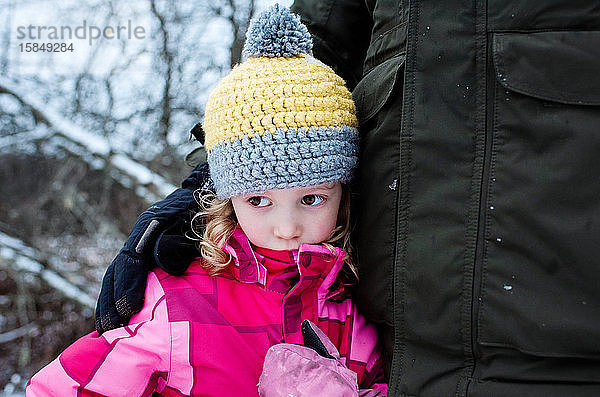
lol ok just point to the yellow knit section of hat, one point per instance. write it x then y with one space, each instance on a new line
263 94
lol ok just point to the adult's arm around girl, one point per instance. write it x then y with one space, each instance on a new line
157 234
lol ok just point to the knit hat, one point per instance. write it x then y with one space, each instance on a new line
281 118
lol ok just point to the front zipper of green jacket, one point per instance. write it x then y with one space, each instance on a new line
406 130
484 103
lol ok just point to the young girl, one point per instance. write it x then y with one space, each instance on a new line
282 143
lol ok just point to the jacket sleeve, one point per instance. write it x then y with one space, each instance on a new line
129 361
341 31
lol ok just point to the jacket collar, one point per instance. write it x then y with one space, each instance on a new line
312 260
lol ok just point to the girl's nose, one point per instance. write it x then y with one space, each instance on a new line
288 229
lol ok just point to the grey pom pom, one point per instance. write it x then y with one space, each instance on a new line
277 33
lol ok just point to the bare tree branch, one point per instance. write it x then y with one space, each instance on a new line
18 333
90 145
167 57
22 258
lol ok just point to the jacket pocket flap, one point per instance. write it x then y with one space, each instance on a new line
556 66
374 89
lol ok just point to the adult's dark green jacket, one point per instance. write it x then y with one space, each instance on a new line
478 235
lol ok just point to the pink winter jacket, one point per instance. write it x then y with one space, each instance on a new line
201 335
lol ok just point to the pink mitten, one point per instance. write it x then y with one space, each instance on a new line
295 370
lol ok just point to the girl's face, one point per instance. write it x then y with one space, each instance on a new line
282 219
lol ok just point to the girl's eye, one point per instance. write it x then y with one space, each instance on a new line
259 201
312 199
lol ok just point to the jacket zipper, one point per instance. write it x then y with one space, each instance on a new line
484 207
484 107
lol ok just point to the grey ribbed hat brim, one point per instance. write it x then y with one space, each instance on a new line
287 158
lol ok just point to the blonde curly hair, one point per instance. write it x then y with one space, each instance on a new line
218 220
